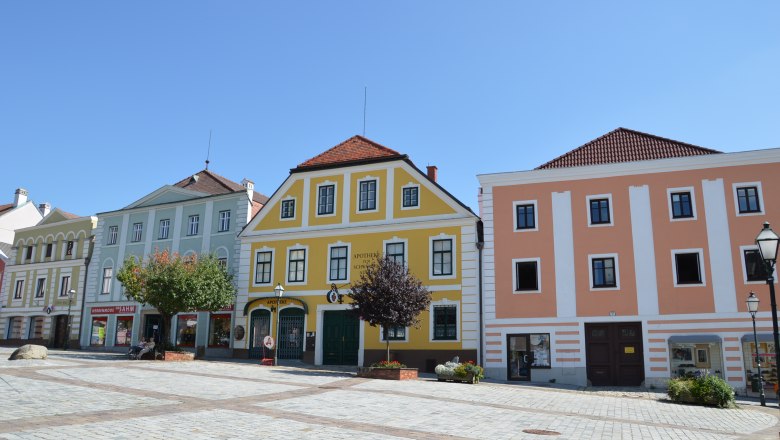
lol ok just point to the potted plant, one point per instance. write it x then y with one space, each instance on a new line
467 372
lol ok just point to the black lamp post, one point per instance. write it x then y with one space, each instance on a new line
767 242
71 294
279 291
752 306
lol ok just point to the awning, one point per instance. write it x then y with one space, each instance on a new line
762 337
694 339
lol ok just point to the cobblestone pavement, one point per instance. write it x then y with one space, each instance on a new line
91 395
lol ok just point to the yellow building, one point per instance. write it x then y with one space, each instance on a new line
333 215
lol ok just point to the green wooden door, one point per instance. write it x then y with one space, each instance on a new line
341 338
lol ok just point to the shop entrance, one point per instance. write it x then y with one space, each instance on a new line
60 330
614 354
259 327
341 338
290 338
520 358
152 327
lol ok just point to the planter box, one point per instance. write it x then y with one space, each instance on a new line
469 378
176 356
388 373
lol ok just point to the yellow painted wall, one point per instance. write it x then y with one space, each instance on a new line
272 219
430 204
314 219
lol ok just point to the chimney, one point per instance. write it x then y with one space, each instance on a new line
44 208
20 197
432 172
250 187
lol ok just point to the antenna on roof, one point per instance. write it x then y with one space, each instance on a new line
365 95
208 152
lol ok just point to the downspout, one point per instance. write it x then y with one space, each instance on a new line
480 247
84 287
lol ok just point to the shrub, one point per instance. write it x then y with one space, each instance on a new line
704 390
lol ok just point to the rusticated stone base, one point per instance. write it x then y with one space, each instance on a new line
388 373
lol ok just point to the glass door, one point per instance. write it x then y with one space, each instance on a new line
520 358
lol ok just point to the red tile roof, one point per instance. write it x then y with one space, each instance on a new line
624 145
354 149
211 183
6 207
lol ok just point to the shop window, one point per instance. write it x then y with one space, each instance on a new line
124 330
219 331
186 329
766 355
527 351
98 334
15 328
36 328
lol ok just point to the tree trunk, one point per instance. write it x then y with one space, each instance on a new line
387 342
166 324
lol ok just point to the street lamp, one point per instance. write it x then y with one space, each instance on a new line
752 306
71 294
279 291
767 242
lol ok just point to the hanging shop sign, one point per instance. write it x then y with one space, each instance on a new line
112 310
333 295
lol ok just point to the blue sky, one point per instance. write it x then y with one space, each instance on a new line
104 102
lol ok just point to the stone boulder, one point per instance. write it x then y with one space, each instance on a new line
29 351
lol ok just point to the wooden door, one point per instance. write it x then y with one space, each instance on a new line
614 354
341 338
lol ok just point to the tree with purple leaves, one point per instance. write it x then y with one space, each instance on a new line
387 295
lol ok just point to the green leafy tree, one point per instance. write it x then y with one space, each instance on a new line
389 296
173 284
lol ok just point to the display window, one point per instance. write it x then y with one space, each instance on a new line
695 358
124 330
527 351
186 329
219 331
98 333
766 355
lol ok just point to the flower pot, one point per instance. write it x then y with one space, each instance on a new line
469 378
387 373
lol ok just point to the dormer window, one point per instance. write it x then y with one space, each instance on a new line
367 199
326 200
410 197
288 209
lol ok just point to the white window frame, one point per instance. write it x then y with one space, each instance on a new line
222 250
688 189
273 260
40 287
295 208
702 270
19 289
113 234
611 213
458 321
419 196
454 274
759 193
396 240
349 252
138 232
591 257
103 290
167 229
222 220
376 195
64 286
335 199
393 341
191 224
742 250
306 256
517 203
538 275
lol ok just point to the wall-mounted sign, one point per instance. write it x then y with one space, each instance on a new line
628 350
268 341
239 332
49 309
112 310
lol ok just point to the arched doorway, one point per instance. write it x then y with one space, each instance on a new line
291 333
259 326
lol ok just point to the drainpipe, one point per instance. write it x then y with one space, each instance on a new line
84 287
480 247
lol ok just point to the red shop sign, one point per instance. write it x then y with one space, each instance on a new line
112 310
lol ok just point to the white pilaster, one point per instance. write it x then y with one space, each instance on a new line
719 244
208 218
563 246
305 203
149 232
644 250
177 227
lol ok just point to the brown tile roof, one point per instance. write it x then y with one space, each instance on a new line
354 149
69 216
211 183
4 208
624 145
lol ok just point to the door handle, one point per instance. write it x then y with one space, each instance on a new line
525 358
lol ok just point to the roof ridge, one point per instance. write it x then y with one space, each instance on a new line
222 180
382 151
709 150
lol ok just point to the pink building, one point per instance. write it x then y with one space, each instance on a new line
628 260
